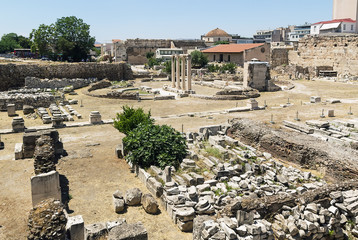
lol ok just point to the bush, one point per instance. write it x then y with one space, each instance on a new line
152 62
221 42
130 118
155 145
168 67
213 68
149 55
198 59
231 67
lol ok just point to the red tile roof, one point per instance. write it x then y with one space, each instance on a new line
336 21
116 40
232 48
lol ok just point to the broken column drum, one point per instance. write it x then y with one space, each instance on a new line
18 124
95 117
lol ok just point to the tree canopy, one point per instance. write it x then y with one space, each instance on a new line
11 41
198 59
68 36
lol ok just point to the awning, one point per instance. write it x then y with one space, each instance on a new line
330 26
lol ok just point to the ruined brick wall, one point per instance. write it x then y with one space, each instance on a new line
339 52
13 75
136 49
279 56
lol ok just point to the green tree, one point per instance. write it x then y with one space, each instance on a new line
168 67
230 67
130 118
149 55
43 39
198 59
155 145
24 42
152 61
73 38
69 37
9 42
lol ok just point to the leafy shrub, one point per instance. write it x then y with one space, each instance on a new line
230 67
221 42
198 59
168 67
213 68
152 61
149 55
130 118
155 145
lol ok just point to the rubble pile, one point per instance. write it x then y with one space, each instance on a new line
47 220
44 155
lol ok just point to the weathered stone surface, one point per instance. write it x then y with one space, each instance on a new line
149 204
96 231
47 221
133 196
128 232
118 204
75 227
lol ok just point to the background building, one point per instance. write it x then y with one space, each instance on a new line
216 35
299 32
346 9
238 53
334 26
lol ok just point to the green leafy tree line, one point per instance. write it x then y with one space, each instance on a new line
68 37
11 41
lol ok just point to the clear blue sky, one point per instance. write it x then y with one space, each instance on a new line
118 19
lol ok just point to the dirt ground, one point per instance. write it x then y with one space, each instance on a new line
94 172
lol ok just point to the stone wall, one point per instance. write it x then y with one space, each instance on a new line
13 75
279 56
134 50
339 52
29 97
34 82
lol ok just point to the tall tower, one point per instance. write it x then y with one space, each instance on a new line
346 9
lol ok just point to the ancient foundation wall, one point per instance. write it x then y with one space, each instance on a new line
13 75
33 82
339 52
339 163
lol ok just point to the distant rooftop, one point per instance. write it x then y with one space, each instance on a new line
336 21
232 48
217 32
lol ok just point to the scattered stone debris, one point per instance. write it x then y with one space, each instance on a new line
47 220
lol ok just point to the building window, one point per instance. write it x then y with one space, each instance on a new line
228 58
214 58
344 27
351 27
218 39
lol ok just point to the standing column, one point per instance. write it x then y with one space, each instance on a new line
177 58
189 72
173 71
183 72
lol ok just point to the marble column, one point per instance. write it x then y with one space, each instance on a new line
177 58
189 72
183 72
173 71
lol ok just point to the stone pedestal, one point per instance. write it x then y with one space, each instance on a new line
330 113
95 117
11 111
76 227
57 121
46 185
18 124
253 104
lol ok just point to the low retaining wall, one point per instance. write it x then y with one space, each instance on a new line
34 82
340 163
13 75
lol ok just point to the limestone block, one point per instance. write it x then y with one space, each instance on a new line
133 196
330 113
96 231
18 151
128 231
18 124
95 117
11 110
75 227
118 204
149 204
155 187
46 185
